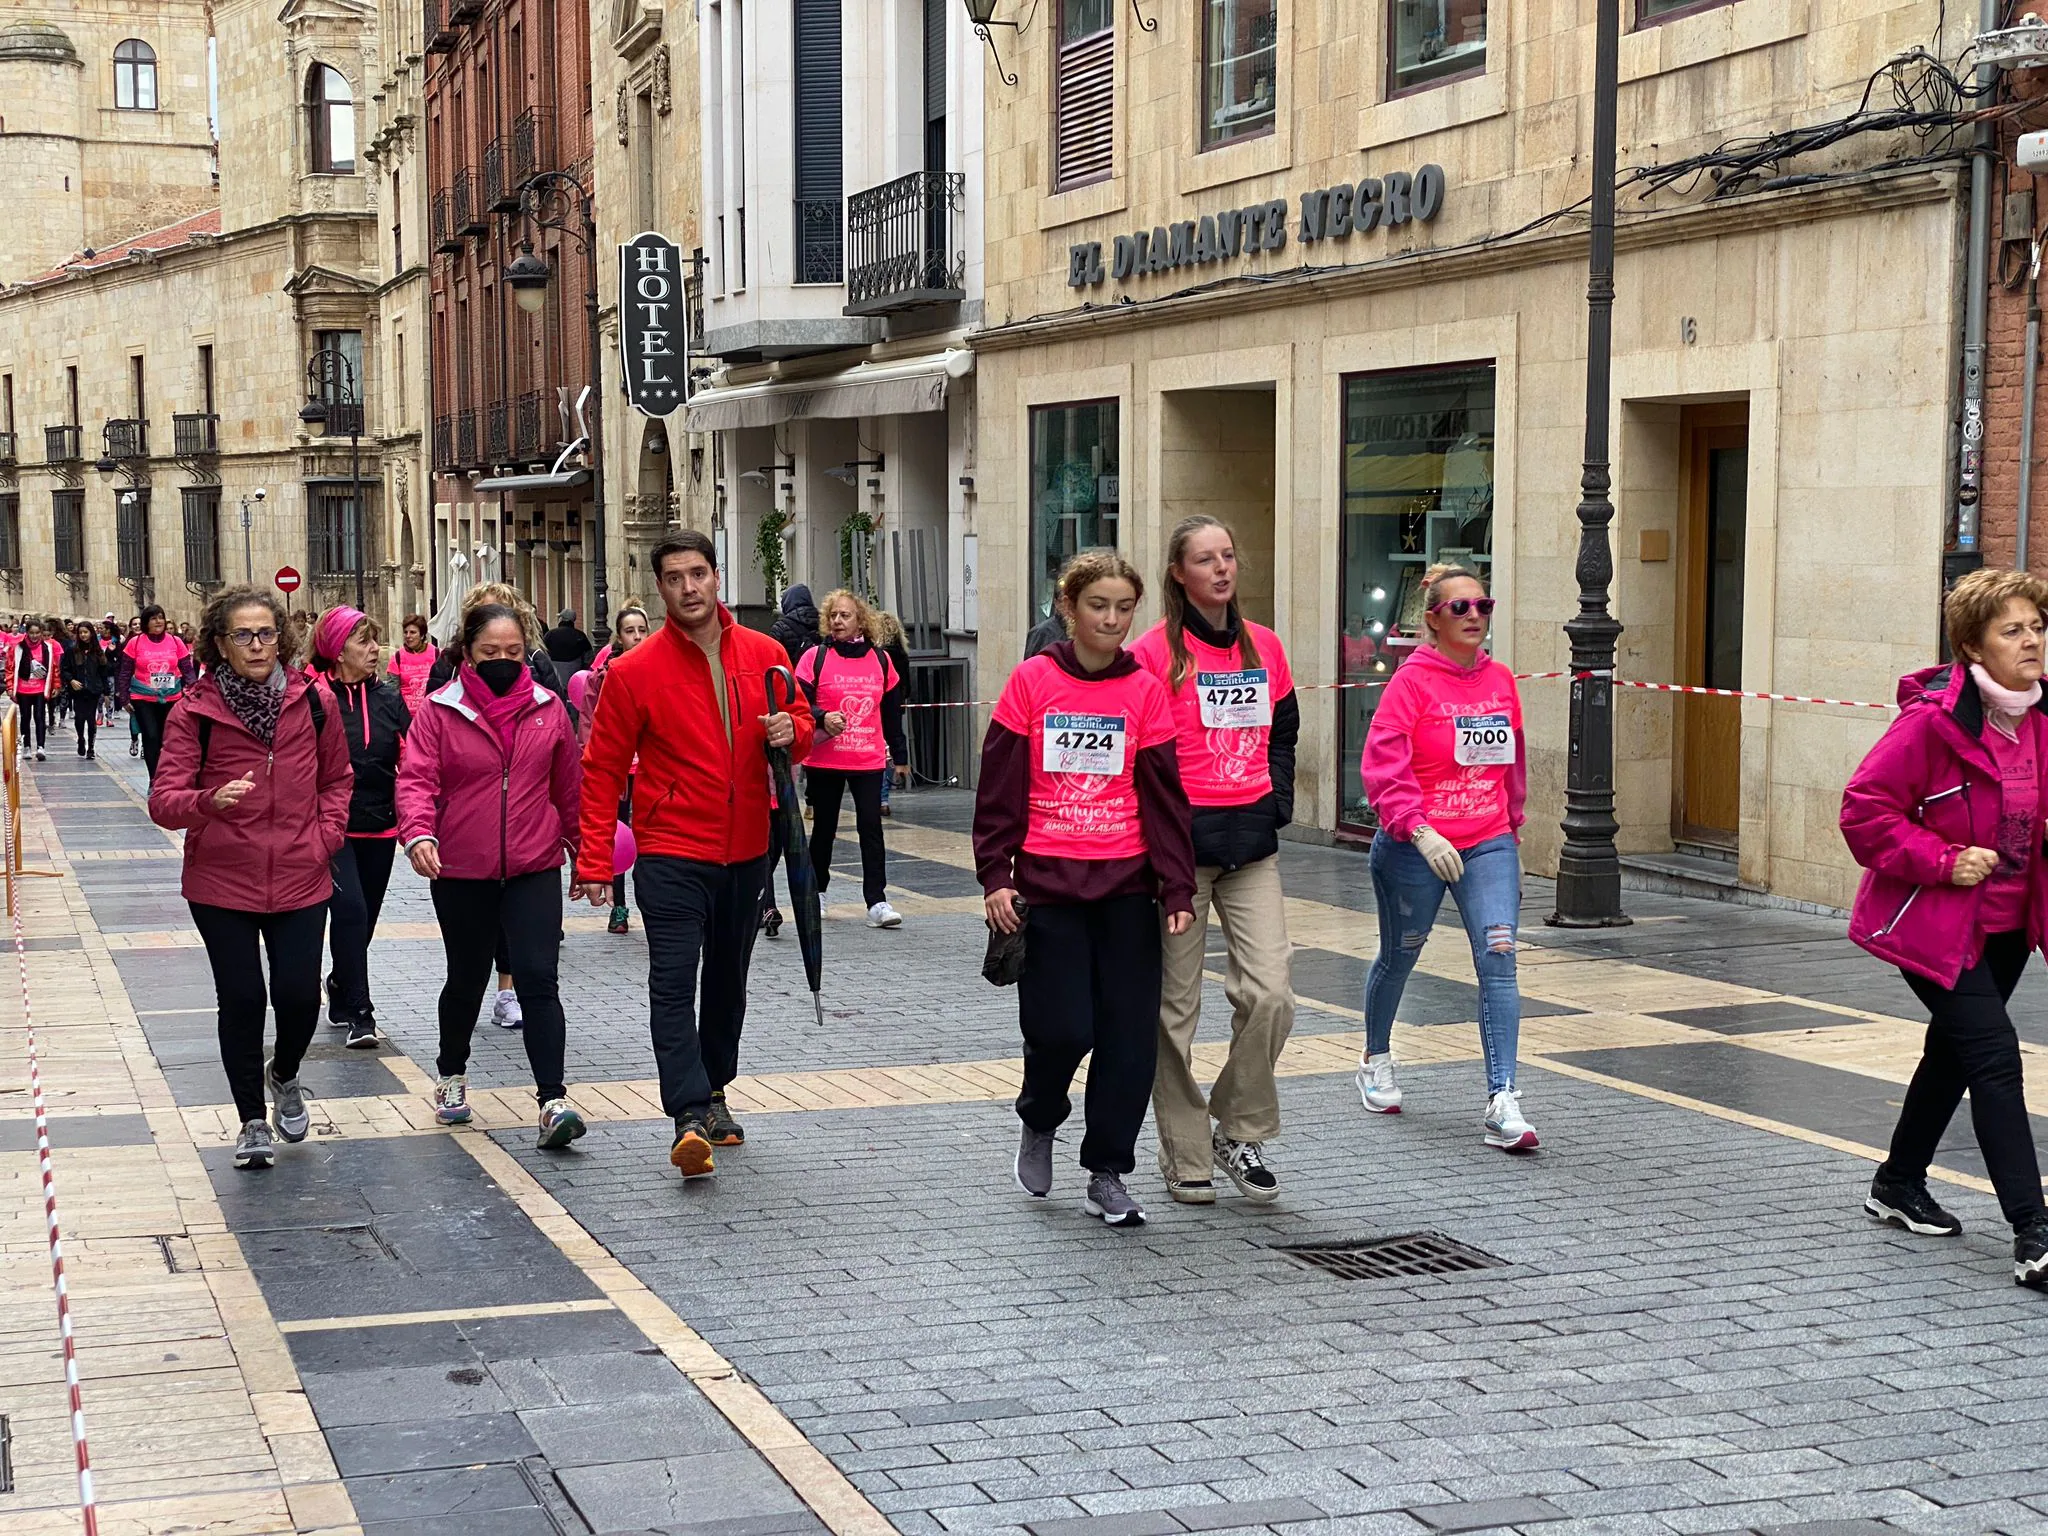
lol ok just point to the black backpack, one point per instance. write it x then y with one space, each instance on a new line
205 729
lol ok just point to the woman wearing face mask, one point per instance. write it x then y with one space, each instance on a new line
374 719
489 790
155 668
1079 812
256 774
1945 816
33 677
633 627
1236 720
856 696
1445 769
87 679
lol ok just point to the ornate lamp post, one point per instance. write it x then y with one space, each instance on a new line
330 387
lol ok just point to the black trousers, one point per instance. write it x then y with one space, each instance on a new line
362 874
694 911
150 715
1091 983
85 715
527 909
1971 1044
292 940
35 719
823 787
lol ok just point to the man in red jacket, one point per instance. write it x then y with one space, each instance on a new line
691 702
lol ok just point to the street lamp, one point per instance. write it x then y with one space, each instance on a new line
1589 865
248 554
982 13
558 201
330 386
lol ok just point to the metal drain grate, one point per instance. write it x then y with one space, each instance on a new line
1391 1258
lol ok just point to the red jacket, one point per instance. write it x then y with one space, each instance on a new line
495 816
694 797
270 852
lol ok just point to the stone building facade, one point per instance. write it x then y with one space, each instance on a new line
1318 269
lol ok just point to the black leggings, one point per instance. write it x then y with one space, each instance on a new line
150 715
35 719
823 787
1971 1044
362 873
293 941
527 910
85 714
1091 983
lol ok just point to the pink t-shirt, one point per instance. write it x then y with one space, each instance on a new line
412 668
1456 738
1222 712
156 666
34 668
852 685
2004 908
1085 739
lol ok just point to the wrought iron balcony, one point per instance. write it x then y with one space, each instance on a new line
526 443
903 244
533 145
444 442
63 445
465 440
460 11
439 34
497 432
446 240
820 240
6 447
195 434
127 438
467 204
344 419
500 195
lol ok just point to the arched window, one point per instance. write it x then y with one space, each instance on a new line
333 117
135 76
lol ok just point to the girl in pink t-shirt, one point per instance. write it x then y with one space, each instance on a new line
32 677
411 661
1445 768
857 700
1235 721
1080 813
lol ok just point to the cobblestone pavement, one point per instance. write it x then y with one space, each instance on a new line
861 1324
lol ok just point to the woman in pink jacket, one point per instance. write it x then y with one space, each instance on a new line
1945 816
489 791
1445 769
255 771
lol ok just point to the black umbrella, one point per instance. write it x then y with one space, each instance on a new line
796 847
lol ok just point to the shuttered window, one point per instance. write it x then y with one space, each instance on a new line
820 183
1084 94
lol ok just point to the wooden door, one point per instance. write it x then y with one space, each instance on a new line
1709 737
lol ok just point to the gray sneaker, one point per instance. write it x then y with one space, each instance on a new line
1108 1199
1034 1163
255 1148
291 1118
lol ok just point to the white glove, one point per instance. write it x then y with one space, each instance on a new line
1443 859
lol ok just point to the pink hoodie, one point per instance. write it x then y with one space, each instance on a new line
1926 791
1445 747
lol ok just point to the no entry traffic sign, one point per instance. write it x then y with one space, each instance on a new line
287 579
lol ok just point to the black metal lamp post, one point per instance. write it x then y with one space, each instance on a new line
558 201
1589 865
331 383
981 15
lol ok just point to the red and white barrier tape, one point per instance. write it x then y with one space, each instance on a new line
87 1507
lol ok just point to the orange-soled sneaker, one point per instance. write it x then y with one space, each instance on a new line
691 1154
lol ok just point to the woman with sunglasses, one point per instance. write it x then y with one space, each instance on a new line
1445 769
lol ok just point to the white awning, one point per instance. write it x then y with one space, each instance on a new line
869 389
560 480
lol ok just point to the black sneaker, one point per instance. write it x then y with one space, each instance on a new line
336 1014
2030 1254
1909 1206
362 1033
720 1126
691 1153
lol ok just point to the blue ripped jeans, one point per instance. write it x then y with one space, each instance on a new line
1489 899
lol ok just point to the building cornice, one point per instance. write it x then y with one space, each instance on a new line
1862 192
198 249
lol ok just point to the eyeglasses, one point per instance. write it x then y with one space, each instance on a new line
247 638
1460 606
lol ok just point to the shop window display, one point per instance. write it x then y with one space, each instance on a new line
1075 489
1418 489
1431 41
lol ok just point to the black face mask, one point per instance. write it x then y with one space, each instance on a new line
499 676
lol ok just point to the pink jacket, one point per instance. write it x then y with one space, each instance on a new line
1926 791
1427 690
494 816
269 853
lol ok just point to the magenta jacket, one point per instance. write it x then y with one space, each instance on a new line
1925 792
270 853
495 816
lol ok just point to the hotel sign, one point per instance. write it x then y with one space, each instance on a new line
1328 213
654 324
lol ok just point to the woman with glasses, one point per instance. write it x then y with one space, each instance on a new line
1446 772
255 771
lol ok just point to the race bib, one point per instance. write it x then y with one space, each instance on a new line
1483 741
162 682
1084 744
1234 701
38 671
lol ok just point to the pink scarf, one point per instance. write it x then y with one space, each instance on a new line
500 714
2005 701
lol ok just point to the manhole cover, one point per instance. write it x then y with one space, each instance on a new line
1391 1258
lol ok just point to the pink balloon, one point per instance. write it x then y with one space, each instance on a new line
624 849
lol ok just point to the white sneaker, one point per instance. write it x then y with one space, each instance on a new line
1377 1090
882 915
505 1012
1505 1127
451 1100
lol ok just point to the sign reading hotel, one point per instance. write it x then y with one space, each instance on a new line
654 324
1329 213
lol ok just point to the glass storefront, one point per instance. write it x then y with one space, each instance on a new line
1431 41
1075 489
1418 489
